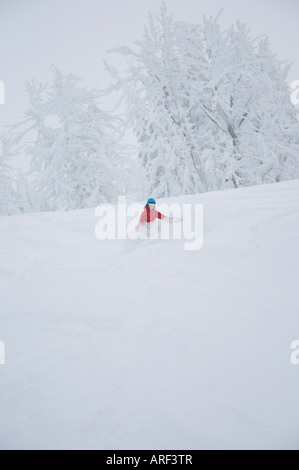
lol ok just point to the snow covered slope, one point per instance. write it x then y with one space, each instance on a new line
153 347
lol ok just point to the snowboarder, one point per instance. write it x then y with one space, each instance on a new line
150 214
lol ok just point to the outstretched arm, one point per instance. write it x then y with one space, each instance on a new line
162 216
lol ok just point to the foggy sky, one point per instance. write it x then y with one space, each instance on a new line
75 35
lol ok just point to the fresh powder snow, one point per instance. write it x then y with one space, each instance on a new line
155 347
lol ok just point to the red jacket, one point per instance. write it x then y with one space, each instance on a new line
148 216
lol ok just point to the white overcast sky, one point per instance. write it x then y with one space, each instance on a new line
75 35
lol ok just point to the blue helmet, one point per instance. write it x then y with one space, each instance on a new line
151 200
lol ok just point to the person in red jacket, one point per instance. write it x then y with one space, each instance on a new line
150 214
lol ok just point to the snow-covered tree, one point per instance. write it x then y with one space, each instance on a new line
244 95
74 149
7 193
151 92
210 108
